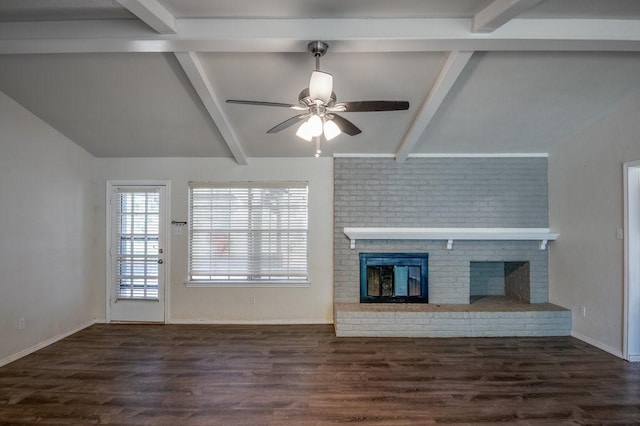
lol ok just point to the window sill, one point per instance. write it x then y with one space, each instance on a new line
137 299
253 284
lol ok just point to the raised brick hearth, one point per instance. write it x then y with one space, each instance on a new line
490 316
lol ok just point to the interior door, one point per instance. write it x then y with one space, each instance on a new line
137 287
632 262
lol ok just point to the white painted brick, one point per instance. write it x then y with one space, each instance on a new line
459 324
455 192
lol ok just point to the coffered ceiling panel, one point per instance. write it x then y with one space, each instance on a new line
61 10
114 105
514 102
584 9
357 76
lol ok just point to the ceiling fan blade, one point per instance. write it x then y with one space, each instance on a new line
287 123
345 125
260 103
321 86
366 106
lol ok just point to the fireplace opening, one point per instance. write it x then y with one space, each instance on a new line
393 277
506 279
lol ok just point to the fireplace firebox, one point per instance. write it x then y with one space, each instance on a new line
394 277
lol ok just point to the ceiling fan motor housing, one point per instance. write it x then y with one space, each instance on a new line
305 98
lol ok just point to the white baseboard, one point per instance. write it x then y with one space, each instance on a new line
597 344
44 344
634 358
248 322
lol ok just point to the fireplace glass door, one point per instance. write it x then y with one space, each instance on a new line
393 277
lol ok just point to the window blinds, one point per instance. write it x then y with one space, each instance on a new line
136 244
248 231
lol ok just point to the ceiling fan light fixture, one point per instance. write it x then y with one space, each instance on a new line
331 130
321 86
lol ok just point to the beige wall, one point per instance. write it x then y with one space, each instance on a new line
313 304
46 221
586 208
52 236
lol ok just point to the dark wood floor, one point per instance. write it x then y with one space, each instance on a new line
303 375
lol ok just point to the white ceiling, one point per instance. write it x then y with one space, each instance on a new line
148 78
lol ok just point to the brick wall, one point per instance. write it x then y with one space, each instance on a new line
440 192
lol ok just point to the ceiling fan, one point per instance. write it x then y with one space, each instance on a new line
318 106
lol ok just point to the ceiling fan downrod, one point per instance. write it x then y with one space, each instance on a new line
317 49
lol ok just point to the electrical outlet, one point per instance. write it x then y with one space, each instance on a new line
252 300
583 311
21 324
619 234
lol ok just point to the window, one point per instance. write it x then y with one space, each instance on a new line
136 249
249 231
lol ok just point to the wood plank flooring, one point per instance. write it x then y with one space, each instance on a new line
303 375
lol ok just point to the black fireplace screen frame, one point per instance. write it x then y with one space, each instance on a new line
392 260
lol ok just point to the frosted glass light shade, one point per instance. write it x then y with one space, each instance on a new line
331 130
320 86
304 132
315 125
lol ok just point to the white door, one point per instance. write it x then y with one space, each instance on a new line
632 262
136 290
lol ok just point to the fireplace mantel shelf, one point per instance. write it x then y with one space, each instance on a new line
543 235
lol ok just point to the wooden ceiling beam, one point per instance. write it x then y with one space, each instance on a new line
197 76
499 13
153 14
448 75
345 35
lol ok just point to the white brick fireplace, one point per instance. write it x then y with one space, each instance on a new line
460 211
